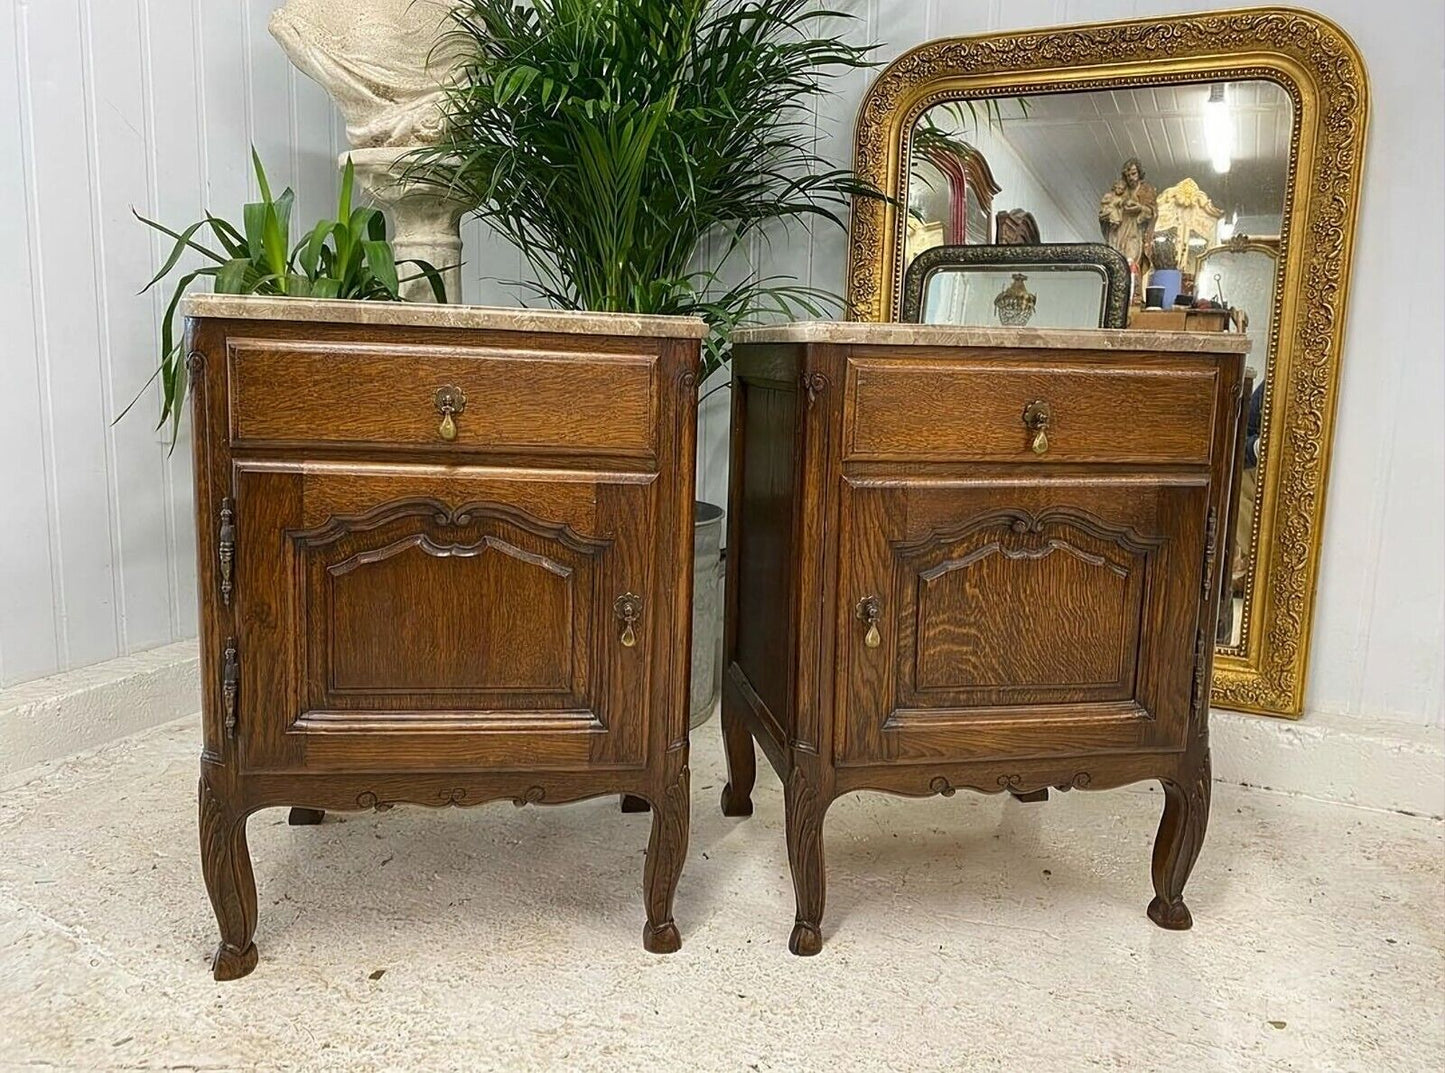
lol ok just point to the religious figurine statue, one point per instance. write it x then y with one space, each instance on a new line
1126 216
388 65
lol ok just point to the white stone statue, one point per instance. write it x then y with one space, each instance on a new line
388 66
380 61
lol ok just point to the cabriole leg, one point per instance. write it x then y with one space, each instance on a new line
805 809
737 795
1176 847
666 850
226 865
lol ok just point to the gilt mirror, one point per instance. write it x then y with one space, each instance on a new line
1219 155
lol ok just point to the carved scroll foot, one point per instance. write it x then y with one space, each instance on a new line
666 850
226 865
735 803
806 940
633 803
1176 847
305 817
737 795
663 940
230 965
1172 917
805 809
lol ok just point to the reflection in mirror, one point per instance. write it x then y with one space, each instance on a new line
1045 297
951 189
1068 285
1186 181
1242 275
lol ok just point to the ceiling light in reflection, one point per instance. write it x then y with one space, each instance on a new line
1218 130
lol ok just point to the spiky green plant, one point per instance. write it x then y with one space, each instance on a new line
606 139
348 257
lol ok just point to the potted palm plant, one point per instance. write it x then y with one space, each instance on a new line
608 140
349 257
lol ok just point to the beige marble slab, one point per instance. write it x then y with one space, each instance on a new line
430 315
822 331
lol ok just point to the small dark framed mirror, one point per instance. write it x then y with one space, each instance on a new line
1051 285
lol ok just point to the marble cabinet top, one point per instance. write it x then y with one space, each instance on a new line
858 332
428 315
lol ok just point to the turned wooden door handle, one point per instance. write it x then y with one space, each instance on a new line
1036 420
449 402
869 611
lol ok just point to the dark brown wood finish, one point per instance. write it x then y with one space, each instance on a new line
921 600
391 614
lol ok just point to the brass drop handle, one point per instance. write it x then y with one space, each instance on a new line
628 608
1036 420
869 611
449 402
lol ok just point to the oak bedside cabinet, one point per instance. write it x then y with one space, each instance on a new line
445 559
982 559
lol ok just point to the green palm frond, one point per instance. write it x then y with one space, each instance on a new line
606 139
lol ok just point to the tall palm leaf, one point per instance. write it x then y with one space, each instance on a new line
606 139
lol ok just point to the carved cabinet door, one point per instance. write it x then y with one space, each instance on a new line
1000 618
425 617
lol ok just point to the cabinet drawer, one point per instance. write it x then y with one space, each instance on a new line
372 394
974 411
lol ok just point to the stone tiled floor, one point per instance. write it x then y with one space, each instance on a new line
968 933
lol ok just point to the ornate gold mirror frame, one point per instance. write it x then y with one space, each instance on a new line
1321 70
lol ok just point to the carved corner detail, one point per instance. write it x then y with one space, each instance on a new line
814 384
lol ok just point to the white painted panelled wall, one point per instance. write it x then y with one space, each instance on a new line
107 105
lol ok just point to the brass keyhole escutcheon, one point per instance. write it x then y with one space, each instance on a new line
1036 420
449 402
869 611
628 608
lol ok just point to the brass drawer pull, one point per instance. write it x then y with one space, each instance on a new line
1036 420
628 608
869 611
449 402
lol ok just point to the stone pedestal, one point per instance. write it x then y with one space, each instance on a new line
425 223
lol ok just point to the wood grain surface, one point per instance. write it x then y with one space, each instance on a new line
501 615
1041 618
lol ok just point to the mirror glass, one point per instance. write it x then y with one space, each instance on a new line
1039 296
1186 181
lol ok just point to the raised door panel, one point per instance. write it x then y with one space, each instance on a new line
1018 618
409 589
1045 606
440 618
